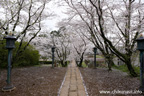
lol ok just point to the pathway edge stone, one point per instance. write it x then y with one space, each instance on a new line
62 84
84 84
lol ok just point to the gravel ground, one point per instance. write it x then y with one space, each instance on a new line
115 83
34 81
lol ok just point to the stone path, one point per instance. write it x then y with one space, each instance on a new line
73 84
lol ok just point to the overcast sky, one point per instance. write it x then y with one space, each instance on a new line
51 23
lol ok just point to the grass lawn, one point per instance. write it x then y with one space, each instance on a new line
125 69
99 56
84 64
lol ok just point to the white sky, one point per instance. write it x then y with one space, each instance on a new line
51 23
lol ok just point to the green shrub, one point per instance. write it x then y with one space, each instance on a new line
3 54
45 62
29 57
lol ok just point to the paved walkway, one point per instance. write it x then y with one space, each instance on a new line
73 84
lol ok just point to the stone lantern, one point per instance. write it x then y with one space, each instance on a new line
10 45
140 47
95 50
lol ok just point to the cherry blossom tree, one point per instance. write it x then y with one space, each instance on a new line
80 45
61 41
105 19
23 18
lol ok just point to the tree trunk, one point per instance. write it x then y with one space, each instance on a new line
109 61
109 65
80 63
64 64
130 68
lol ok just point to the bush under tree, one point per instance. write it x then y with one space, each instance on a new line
29 57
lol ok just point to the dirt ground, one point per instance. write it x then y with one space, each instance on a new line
45 81
34 81
115 83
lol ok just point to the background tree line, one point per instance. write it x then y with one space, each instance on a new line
23 19
107 19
